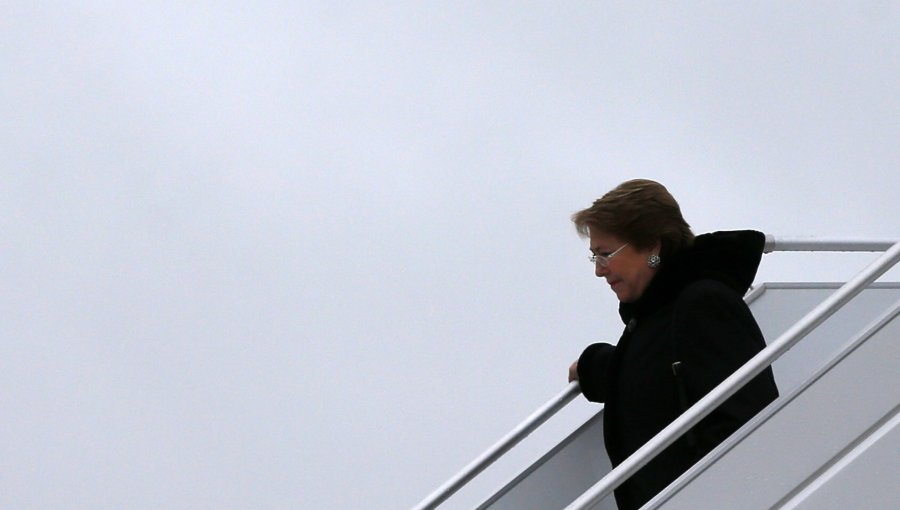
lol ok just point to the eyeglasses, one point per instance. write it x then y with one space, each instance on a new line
603 260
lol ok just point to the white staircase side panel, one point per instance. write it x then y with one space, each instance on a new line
780 305
866 477
540 487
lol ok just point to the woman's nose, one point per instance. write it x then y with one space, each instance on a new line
600 270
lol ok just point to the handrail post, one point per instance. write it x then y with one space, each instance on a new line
736 380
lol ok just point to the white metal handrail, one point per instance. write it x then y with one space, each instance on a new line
809 244
712 400
737 380
514 437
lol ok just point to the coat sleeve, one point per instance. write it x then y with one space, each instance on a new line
715 334
593 368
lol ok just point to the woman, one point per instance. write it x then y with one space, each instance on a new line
687 329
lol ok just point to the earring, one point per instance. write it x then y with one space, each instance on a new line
653 261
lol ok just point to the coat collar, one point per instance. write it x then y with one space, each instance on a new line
730 257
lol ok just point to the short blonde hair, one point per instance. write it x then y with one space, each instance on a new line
640 212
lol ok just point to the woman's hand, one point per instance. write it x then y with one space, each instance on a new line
573 372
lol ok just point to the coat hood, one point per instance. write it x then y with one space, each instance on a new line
731 258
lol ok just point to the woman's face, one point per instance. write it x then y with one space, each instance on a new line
627 274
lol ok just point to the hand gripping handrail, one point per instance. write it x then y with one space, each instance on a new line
535 420
598 491
736 380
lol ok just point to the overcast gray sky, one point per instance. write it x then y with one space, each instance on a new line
318 255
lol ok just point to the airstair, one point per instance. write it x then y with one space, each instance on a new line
830 441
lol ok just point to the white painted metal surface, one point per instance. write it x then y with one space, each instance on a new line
863 478
782 304
809 244
567 470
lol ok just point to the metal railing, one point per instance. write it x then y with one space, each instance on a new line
807 244
712 399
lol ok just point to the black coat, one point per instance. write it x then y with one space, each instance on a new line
691 312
